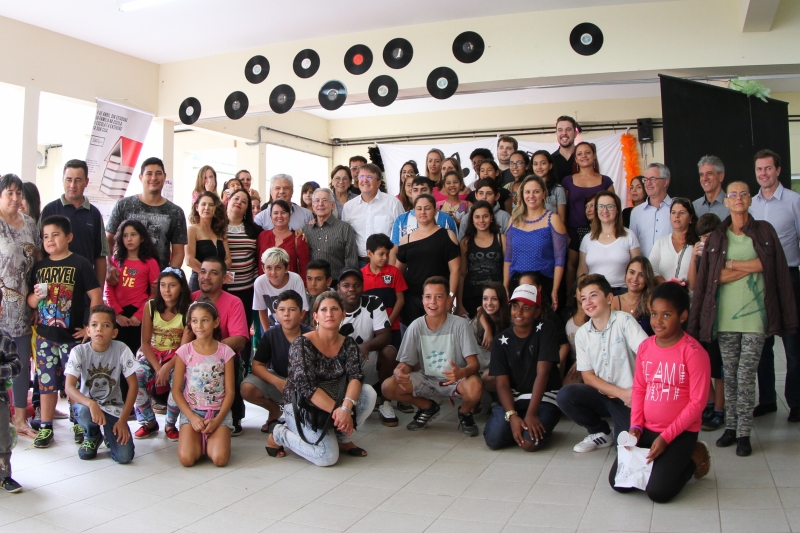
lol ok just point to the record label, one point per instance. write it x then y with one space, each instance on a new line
358 59
236 105
257 69
281 99
586 39
189 111
442 83
397 53
306 63
332 95
468 47
382 91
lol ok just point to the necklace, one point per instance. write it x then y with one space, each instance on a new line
634 304
538 219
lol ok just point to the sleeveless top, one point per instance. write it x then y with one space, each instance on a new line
643 320
483 265
538 250
167 335
244 261
427 257
206 248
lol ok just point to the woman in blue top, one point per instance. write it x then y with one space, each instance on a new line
536 240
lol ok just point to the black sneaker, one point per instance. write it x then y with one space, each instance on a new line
423 416
764 408
44 438
237 430
727 439
714 422
36 421
708 412
9 485
77 433
794 414
743 447
405 407
467 424
88 449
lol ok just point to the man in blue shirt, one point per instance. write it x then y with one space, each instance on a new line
781 208
650 220
712 173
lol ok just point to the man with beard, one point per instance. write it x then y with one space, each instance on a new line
505 147
567 130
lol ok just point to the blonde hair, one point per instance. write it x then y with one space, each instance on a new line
521 210
200 184
275 255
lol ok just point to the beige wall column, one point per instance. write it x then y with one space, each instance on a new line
30 134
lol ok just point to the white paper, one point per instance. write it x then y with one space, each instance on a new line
633 470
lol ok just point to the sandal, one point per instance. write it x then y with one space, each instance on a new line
355 451
274 452
270 426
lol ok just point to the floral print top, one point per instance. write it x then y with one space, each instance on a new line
308 366
18 249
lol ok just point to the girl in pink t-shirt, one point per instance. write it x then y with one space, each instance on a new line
203 387
670 388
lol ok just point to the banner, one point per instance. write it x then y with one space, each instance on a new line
117 137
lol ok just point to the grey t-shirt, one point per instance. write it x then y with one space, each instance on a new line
165 223
100 373
434 349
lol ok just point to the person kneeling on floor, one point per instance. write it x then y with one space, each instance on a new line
443 347
525 358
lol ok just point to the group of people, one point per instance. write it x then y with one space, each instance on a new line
530 295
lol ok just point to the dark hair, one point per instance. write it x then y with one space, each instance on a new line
449 173
691 232
321 297
59 221
526 158
486 182
761 154
30 193
674 293
428 197
147 249
551 180
643 309
151 161
9 180
250 227
501 320
208 305
289 295
336 169
595 165
219 220
319 264
227 183
566 118
573 302
489 162
507 139
592 198
358 158
215 259
240 173
482 152
104 309
77 163
184 298
471 230
307 186
423 180
437 280
283 204
595 279
707 223
373 169
403 197
597 226
379 240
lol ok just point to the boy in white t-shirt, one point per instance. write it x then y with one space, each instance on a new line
275 279
101 365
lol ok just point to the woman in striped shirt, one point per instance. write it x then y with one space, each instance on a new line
242 242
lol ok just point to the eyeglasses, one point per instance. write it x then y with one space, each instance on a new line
367 178
321 201
340 178
517 164
355 169
606 207
652 180
742 194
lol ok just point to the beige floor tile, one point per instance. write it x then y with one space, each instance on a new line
416 503
267 505
753 520
559 494
444 486
77 516
510 472
387 522
448 525
548 515
570 476
327 515
472 510
671 520
31 525
485 489
749 499
229 521
744 479
619 517
34 502
790 497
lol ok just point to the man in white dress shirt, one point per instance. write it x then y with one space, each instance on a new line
650 220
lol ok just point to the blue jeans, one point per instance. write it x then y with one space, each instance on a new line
122 454
587 406
497 432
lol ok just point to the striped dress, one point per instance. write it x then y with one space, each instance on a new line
243 256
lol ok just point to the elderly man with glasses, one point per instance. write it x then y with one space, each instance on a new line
650 220
282 188
328 237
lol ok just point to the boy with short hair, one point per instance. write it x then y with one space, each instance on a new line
264 386
318 280
10 368
385 281
488 190
275 279
101 365
61 283
605 347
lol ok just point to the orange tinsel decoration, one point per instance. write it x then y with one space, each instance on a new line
630 158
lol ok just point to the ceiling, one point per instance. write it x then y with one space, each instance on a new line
183 29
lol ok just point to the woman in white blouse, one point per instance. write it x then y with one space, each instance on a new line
609 246
672 254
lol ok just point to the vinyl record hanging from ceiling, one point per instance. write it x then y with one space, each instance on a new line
468 47
358 59
257 69
281 99
586 39
382 90
236 105
398 53
332 95
442 83
189 111
306 63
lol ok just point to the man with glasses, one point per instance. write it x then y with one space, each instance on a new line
372 212
650 220
282 188
781 208
328 237
712 173
355 163
567 130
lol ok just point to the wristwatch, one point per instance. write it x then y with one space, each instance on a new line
509 414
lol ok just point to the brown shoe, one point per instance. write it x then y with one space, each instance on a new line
702 459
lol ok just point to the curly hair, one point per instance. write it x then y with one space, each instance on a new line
219 221
147 248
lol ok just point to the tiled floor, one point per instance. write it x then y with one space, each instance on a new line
435 481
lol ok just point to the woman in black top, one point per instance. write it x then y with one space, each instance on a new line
637 195
428 251
482 251
208 234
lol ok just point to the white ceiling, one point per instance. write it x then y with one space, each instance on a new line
184 29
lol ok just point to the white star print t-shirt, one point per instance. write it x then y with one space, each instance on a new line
434 349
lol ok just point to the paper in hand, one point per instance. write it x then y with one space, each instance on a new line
633 470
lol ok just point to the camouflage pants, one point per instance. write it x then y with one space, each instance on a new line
740 355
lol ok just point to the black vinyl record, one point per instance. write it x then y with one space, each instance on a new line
398 53
332 95
256 69
468 47
306 63
189 110
382 90
236 105
358 59
586 39
281 99
442 83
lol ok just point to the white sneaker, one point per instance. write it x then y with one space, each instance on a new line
388 418
593 442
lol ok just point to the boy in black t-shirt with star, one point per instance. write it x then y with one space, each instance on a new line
525 362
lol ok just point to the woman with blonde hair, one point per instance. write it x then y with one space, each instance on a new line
206 181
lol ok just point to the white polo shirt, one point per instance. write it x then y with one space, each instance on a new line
369 218
611 353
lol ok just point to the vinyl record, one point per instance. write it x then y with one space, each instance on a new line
306 63
332 95
189 110
281 99
382 91
586 39
468 47
397 53
236 105
256 69
358 59
442 83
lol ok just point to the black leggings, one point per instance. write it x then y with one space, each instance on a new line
671 470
